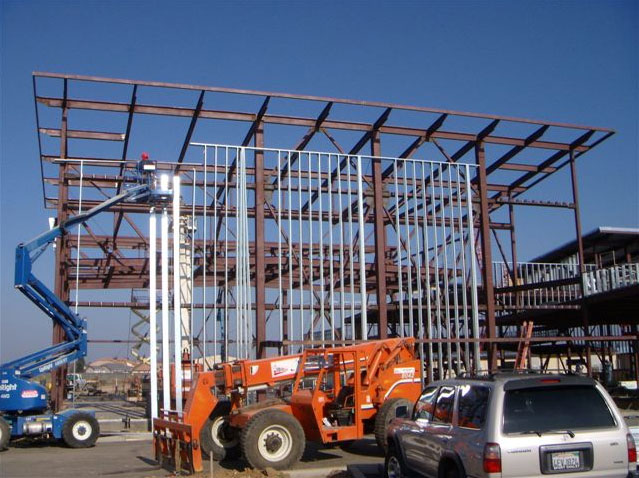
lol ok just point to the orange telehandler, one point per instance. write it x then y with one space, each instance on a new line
323 395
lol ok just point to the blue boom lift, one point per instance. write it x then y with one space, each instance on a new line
24 405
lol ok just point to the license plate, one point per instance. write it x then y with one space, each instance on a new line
568 460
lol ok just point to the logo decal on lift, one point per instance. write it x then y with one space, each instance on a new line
284 367
29 394
405 372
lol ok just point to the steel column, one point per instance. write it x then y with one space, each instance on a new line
487 257
513 248
62 256
380 237
260 291
580 254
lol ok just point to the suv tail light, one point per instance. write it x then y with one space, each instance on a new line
492 458
632 449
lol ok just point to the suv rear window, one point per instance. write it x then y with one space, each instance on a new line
555 408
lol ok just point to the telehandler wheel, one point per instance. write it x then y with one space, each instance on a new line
386 414
80 430
272 438
5 434
216 438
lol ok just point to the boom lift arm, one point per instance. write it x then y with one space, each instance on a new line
17 393
75 345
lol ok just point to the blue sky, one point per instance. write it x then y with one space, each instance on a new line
563 61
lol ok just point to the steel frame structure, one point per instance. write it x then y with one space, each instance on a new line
509 156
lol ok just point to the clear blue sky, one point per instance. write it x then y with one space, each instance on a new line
564 61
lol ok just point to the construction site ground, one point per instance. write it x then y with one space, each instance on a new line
129 454
114 415
124 450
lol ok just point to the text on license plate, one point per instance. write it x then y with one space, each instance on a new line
568 460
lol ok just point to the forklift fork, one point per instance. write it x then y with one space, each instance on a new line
173 443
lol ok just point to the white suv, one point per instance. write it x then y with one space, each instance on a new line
515 425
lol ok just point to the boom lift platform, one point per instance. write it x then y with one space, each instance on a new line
335 395
24 403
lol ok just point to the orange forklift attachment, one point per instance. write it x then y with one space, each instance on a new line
322 395
173 443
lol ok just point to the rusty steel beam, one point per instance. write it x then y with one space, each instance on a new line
323 99
125 148
482 340
458 155
247 140
325 216
526 167
305 140
126 277
80 134
516 150
354 150
555 157
257 123
127 134
567 161
37 118
415 145
534 202
308 122
110 182
189 131
471 144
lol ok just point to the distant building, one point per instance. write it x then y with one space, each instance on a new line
110 365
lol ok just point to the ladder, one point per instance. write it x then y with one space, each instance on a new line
524 344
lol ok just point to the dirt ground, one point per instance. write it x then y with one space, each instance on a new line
268 473
246 473
133 459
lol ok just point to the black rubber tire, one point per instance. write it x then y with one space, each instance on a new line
386 413
5 434
391 454
449 469
452 472
260 423
85 436
220 451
